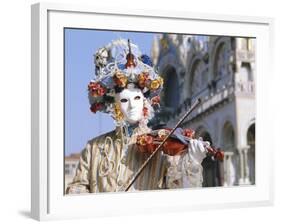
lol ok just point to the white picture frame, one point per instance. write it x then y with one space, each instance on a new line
48 200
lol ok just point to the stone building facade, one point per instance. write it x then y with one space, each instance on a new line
221 71
70 165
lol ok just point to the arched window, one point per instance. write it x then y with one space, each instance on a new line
199 77
228 137
171 94
251 141
221 61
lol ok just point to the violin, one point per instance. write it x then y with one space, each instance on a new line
171 141
130 58
176 144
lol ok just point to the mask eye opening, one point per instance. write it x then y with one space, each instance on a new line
123 100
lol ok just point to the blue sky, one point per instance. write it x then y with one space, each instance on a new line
81 124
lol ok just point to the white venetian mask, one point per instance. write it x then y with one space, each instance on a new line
131 104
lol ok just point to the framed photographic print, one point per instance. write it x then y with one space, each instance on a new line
148 111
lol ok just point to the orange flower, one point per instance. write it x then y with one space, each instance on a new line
145 144
141 140
120 79
156 83
143 78
117 112
144 140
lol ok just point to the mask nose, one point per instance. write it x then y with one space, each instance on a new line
131 104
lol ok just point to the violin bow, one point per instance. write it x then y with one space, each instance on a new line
193 106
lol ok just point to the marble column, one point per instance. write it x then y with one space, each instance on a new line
244 166
228 171
241 162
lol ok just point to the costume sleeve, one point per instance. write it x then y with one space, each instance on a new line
185 170
80 183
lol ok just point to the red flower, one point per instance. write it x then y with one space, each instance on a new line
96 89
145 111
189 133
96 107
148 139
155 100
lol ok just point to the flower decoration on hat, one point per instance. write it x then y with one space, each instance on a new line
96 89
120 79
120 65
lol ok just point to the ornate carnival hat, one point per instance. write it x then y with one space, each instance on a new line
120 65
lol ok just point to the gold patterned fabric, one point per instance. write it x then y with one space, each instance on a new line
109 161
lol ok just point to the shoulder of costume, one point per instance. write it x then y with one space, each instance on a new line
102 137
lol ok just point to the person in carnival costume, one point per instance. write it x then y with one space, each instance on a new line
127 87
